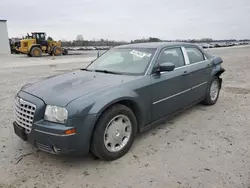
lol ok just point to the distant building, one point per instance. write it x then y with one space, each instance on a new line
4 39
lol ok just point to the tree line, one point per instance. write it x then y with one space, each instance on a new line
105 42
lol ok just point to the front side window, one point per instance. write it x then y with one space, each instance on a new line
173 55
124 61
194 55
42 36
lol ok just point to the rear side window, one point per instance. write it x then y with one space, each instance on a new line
173 55
194 55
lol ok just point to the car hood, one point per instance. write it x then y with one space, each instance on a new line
62 89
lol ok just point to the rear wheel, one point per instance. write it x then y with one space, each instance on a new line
114 133
213 92
36 52
57 51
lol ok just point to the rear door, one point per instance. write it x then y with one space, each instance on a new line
199 73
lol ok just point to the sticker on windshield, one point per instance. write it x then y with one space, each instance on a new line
140 54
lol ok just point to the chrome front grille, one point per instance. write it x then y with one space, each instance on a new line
24 113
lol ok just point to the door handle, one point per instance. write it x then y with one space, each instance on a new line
185 73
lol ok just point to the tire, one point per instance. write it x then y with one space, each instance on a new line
121 116
65 52
36 52
57 51
213 92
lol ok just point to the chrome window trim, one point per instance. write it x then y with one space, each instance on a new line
195 63
185 66
186 58
177 94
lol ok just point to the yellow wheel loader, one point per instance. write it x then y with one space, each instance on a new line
36 45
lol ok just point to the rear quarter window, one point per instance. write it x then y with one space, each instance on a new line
195 55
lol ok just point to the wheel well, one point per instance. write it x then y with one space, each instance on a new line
33 46
131 105
218 76
128 103
220 80
135 109
219 73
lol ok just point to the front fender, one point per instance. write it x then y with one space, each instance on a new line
104 102
98 102
33 45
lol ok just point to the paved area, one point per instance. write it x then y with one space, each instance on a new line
202 147
13 61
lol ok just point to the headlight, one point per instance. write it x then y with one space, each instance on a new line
56 114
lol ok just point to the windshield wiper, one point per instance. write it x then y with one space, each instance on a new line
86 70
106 71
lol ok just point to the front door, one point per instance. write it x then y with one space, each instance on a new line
169 88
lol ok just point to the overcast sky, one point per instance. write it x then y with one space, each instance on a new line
129 19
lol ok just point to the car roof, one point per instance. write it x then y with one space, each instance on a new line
155 45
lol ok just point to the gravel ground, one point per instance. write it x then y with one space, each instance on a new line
201 147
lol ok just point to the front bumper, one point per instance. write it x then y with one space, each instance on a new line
51 137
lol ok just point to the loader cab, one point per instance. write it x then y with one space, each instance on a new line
40 38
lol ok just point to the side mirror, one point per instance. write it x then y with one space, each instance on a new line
168 66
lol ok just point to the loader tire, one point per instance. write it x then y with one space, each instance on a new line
36 52
57 51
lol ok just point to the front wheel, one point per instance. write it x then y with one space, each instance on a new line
114 133
213 92
57 51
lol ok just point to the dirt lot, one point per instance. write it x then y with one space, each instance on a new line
203 147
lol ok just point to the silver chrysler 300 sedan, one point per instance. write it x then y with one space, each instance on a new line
100 109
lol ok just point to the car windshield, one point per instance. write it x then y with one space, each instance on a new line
123 61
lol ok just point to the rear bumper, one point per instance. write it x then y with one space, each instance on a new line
50 137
